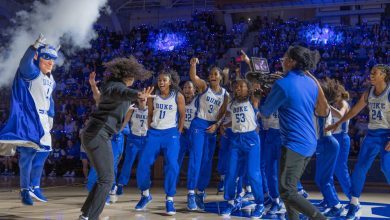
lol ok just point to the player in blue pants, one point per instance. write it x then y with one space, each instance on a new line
244 148
135 143
166 122
189 92
339 109
377 141
31 117
211 106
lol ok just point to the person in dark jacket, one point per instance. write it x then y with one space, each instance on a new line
113 104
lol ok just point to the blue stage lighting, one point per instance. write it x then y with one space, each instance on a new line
315 34
167 41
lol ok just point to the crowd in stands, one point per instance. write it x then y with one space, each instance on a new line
349 62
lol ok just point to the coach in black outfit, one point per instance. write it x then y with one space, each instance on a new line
107 120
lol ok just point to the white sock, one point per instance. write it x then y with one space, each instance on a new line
277 200
231 202
169 198
191 191
199 192
248 189
145 193
355 200
338 205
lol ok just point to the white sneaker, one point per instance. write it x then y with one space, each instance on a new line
72 174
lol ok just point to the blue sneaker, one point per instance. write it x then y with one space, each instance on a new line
119 190
220 187
143 202
258 212
353 209
170 207
191 203
322 205
248 196
275 207
25 196
108 201
334 212
303 193
267 201
200 197
37 194
229 210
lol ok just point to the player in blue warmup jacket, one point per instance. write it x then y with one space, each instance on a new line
31 117
377 141
211 106
138 119
189 92
166 122
244 149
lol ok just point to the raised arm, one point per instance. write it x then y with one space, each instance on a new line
182 111
199 83
94 88
27 68
351 113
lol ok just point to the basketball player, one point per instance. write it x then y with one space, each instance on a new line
189 92
211 106
244 148
31 117
378 137
136 141
327 151
166 122
339 108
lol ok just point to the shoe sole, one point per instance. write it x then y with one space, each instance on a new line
171 213
194 209
226 215
36 197
143 208
256 217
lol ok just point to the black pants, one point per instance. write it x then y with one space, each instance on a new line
99 151
292 166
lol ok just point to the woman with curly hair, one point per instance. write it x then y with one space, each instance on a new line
113 103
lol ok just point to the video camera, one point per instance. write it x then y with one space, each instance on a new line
260 73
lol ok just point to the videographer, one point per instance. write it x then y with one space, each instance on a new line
295 98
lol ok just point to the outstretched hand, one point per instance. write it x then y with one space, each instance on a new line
146 93
40 41
212 128
92 80
332 127
244 57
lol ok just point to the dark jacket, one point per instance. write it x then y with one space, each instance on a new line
114 102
